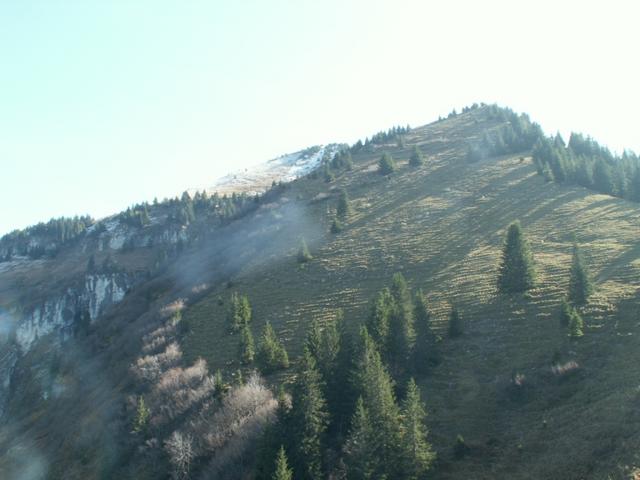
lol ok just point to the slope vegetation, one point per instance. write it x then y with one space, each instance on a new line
442 225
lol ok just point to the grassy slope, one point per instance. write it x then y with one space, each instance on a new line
442 225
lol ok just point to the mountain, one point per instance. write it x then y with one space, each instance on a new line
284 168
104 321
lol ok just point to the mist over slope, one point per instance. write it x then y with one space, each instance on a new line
126 308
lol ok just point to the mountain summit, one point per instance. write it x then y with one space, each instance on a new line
352 321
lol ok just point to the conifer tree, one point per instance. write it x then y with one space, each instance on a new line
576 324
380 318
343 208
272 355
374 383
424 349
244 310
218 383
360 446
386 165
516 272
308 420
142 416
336 226
416 159
580 287
247 348
401 329
341 394
283 472
455 323
314 339
274 437
303 252
417 455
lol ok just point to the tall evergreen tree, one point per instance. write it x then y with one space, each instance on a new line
417 158
576 324
401 326
424 349
386 164
283 472
308 420
380 318
247 347
271 355
239 312
341 394
303 252
360 446
516 272
274 437
343 208
374 383
417 455
143 413
580 286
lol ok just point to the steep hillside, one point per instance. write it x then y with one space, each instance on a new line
441 224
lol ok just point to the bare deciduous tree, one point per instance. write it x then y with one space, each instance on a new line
179 447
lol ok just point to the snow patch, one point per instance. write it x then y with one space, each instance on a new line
284 168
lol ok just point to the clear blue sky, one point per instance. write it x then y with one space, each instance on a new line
108 103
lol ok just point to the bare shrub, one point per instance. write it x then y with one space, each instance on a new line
172 308
563 369
233 428
150 367
178 389
179 448
161 335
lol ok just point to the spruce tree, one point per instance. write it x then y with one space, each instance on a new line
219 387
275 436
375 385
416 159
271 355
424 349
341 394
303 252
143 413
380 317
343 208
580 287
417 455
244 310
283 472
247 347
308 420
386 165
336 226
360 446
576 324
456 327
516 272
401 329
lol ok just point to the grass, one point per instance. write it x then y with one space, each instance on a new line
442 225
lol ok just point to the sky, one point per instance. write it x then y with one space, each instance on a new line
104 104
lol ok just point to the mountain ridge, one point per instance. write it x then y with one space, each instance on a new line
442 225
